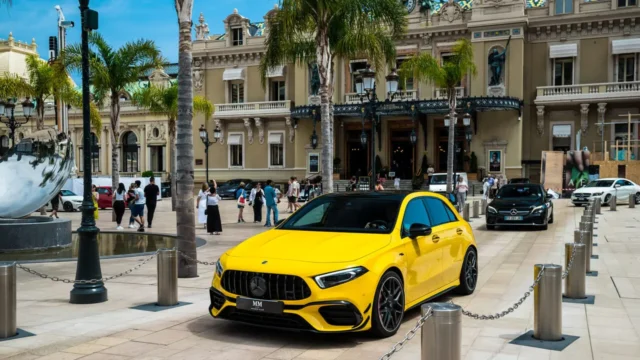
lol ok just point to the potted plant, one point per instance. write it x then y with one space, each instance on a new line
473 167
336 168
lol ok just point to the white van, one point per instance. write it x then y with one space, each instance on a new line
438 182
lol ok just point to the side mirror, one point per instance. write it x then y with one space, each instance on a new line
280 222
617 186
417 230
549 197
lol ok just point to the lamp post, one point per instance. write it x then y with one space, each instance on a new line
89 291
7 108
204 136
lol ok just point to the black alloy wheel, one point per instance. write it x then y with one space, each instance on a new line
388 305
637 198
469 273
607 199
67 206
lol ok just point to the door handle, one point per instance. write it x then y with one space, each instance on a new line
459 231
435 238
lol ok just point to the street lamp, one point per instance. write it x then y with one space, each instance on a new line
204 136
7 109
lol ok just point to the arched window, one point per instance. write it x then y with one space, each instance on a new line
129 152
4 144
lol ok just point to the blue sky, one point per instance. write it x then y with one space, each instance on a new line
121 21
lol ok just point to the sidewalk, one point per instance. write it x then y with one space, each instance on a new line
609 329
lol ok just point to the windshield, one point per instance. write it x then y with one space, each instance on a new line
346 214
67 193
600 183
519 192
438 180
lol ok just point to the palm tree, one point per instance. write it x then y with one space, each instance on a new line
321 31
446 75
164 100
111 70
185 217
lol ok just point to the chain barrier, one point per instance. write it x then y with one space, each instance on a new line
92 281
511 308
408 336
213 263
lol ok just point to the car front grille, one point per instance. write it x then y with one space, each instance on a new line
284 320
341 315
278 287
520 212
217 299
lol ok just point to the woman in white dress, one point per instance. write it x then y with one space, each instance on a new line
202 204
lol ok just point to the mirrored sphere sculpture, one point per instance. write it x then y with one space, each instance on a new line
33 171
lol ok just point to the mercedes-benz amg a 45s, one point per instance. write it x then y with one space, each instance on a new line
348 262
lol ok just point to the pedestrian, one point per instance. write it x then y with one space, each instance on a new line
486 188
241 195
492 183
430 172
214 224
462 189
138 208
295 193
379 186
290 195
353 183
256 200
131 203
270 198
55 203
151 192
202 204
95 196
396 183
118 204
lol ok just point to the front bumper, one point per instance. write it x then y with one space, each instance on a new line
343 308
527 220
583 200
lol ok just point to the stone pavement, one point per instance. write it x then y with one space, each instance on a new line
609 329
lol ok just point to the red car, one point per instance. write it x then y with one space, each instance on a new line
104 199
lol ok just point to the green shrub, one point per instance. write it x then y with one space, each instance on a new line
147 173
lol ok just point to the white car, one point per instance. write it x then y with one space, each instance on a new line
605 189
70 201
438 182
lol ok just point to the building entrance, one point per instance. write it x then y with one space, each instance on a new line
442 146
358 158
402 154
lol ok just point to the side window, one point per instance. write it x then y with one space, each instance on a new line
313 217
415 213
438 211
627 183
620 182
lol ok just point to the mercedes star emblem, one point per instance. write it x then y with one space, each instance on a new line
258 286
514 212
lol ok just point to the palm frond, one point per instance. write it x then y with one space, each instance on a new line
11 85
203 106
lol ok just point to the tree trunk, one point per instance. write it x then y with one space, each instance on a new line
452 136
185 214
172 164
115 154
323 58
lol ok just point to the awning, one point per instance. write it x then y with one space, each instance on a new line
275 138
276 71
563 51
626 46
234 139
233 74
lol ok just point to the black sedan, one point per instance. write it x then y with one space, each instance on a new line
520 205
228 189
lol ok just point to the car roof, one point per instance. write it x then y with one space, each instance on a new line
389 194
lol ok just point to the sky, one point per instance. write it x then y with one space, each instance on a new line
121 21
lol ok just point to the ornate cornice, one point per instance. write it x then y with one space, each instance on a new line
589 27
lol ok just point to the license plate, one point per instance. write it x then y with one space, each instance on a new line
512 218
258 305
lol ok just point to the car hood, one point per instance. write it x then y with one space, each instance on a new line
591 190
310 246
517 204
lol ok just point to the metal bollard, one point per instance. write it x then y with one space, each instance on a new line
476 209
613 203
442 332
574 283
465 212
632 201
483 206
587 240
591 214
597 205
547 303
8 324
167 277
587 225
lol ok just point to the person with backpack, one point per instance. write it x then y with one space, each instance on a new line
256 200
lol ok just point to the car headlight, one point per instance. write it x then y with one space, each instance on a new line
331 279
598 193
538 209
492 210
219 268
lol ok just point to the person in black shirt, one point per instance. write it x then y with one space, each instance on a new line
151 192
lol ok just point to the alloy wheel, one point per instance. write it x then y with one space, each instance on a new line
471 270
637 198
391 304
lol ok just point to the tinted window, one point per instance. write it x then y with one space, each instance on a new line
438 211
620 182
627 183
67 193
103 191
519 192
415 213
600 183
438 179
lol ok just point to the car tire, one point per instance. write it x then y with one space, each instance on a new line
638 198
67 206
545 226
381 325
468 273
607 199
551 218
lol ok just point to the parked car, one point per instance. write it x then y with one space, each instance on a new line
70 201
105 197
227 190
519 181
520 205
605 189
438 182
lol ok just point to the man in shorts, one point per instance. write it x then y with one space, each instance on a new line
295 193
138 208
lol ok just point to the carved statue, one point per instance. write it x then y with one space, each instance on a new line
314 82
496 63
426 5
197 79
202 29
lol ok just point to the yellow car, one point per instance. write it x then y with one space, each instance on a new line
348 262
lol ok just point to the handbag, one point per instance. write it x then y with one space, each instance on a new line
206 211
241 200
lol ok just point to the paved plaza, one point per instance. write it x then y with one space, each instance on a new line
609 329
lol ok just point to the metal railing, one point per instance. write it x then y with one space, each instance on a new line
589 89
401 95
441 93
253 108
